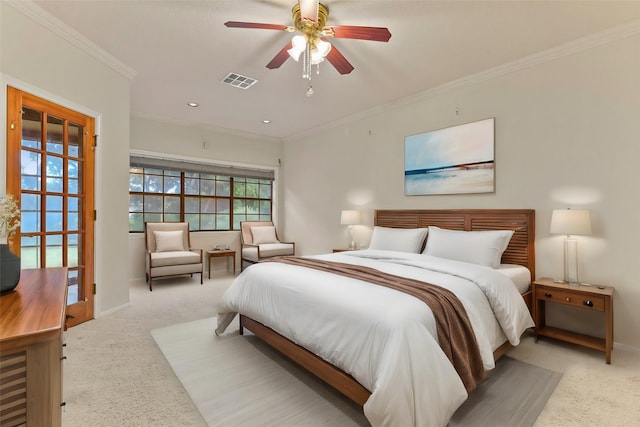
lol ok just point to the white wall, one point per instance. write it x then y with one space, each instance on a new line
40 61
204 144
567 135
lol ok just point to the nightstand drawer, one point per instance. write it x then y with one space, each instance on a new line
570 298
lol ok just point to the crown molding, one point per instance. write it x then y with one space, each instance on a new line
44 18
584 43
205 126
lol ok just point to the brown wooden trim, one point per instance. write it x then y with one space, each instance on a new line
16 100
14 118
501 351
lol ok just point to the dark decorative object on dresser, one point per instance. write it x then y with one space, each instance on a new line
9 269
9 262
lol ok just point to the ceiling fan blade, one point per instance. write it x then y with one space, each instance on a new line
280 57
378 34
309 9
236 24
339 61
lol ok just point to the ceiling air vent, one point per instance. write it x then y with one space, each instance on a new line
238 80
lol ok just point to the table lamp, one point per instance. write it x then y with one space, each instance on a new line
570 222
350 218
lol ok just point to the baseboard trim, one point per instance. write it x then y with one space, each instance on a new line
619 346
113 310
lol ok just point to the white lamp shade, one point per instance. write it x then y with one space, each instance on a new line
299 44
570 222
350 217
316 57
320 50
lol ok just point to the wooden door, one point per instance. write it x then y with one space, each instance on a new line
50 170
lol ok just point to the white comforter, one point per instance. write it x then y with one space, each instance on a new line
385 339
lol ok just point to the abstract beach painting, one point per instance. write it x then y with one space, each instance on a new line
454 160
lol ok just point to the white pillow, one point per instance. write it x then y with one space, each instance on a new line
477 247
169 241
264 234
398 239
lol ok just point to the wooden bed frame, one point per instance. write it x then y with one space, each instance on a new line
520 251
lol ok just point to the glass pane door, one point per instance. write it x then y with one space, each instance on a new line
51 232
54 153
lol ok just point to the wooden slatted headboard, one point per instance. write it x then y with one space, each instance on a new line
521 249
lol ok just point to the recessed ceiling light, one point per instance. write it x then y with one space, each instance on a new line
266 122
192 104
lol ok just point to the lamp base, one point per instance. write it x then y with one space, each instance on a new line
571 261
352 242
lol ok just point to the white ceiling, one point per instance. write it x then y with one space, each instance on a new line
180 51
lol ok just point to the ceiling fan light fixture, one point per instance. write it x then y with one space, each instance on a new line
320 50
299 43
309 19
324 47
316 57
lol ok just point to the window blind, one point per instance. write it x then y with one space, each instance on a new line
180 165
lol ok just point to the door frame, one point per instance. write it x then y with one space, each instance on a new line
5 82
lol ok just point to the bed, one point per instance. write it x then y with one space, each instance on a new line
367 347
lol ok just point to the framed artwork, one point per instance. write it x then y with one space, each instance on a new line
454 160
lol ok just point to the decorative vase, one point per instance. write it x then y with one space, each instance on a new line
9 269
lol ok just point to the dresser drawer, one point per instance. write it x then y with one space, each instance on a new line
570 298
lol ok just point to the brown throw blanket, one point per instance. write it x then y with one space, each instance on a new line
455 333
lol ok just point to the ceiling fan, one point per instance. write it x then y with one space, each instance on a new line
310 18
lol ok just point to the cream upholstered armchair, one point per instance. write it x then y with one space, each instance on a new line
169 251
260 241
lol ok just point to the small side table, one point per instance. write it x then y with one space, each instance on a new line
593 297
221 253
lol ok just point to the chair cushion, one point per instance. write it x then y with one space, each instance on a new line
262 235
267 250
160 259
169 241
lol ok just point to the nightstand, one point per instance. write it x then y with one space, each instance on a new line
342 250
595 298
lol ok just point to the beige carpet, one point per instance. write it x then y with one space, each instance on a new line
115 375
239 381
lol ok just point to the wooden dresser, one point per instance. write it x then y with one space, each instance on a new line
31 327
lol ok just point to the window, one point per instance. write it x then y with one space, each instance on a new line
207 201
